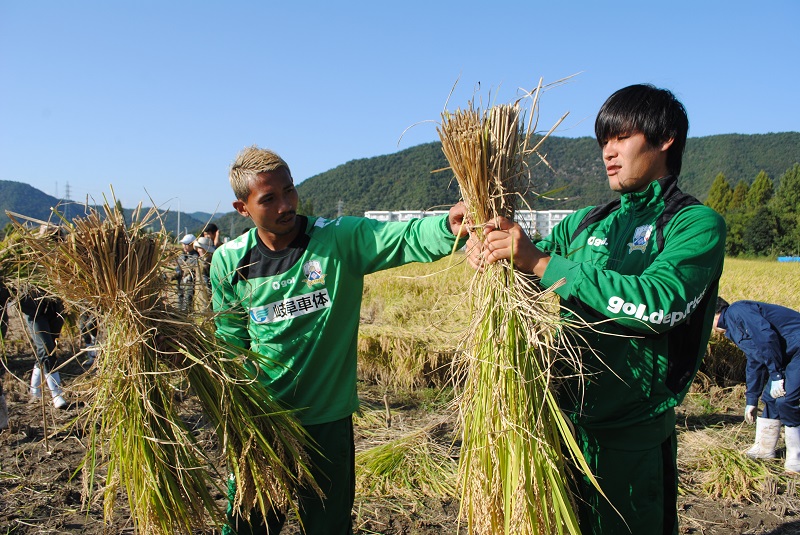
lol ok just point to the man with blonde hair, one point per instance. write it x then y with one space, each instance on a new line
290 289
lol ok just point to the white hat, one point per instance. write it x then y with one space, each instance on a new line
189 238
206 244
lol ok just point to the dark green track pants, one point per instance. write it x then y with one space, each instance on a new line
334 471
642 485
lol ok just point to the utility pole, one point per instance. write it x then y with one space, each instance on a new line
178 230
66 204
339 208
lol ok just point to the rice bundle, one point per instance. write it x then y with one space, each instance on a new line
408 466
513 473
132 420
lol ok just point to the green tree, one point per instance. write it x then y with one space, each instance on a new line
787 240
786 207
305 207
760 232
760 192
739 197
720 195
736 222
787 197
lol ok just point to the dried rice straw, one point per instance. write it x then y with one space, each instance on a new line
514 477
118 272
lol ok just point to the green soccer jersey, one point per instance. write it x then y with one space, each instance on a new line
651 309
301 306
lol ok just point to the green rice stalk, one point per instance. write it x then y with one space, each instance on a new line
715 466
517 446
407 466
402 360
119 272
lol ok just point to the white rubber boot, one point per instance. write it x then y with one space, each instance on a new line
36 382
792 449
3 412
768 431
54 384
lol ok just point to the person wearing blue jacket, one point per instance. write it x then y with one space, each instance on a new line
769 336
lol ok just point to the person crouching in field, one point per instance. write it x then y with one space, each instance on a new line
642 273
291 289
769 336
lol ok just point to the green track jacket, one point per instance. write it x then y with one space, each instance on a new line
301 306
650 308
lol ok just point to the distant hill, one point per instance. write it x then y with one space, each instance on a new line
24 199
406 180
30 202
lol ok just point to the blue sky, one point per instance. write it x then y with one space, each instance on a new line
155 98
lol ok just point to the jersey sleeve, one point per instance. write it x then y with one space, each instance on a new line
665 293
231 318
374 245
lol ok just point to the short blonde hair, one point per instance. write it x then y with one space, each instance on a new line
249 162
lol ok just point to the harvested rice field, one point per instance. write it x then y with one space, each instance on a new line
407 446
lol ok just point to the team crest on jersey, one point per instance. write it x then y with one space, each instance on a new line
313 272
640 238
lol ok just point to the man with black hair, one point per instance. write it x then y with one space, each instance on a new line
769 336
641 273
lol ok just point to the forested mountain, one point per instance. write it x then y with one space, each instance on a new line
406 181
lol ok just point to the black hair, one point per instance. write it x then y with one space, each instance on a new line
211 227
721 305
654 112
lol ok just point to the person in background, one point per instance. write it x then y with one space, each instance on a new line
205 251
5 297
185 269
88 329
44 319
291 289
769 336
212 232
641 273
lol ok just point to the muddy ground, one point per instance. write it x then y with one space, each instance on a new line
41 487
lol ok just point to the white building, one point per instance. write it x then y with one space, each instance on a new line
533 221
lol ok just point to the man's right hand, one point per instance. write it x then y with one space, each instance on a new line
507 240
750 414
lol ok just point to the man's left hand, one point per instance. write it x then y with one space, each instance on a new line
457 219
776 390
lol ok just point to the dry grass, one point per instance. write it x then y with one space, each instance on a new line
761 280
416 464
712 463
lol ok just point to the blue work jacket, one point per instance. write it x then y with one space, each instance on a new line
769 335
